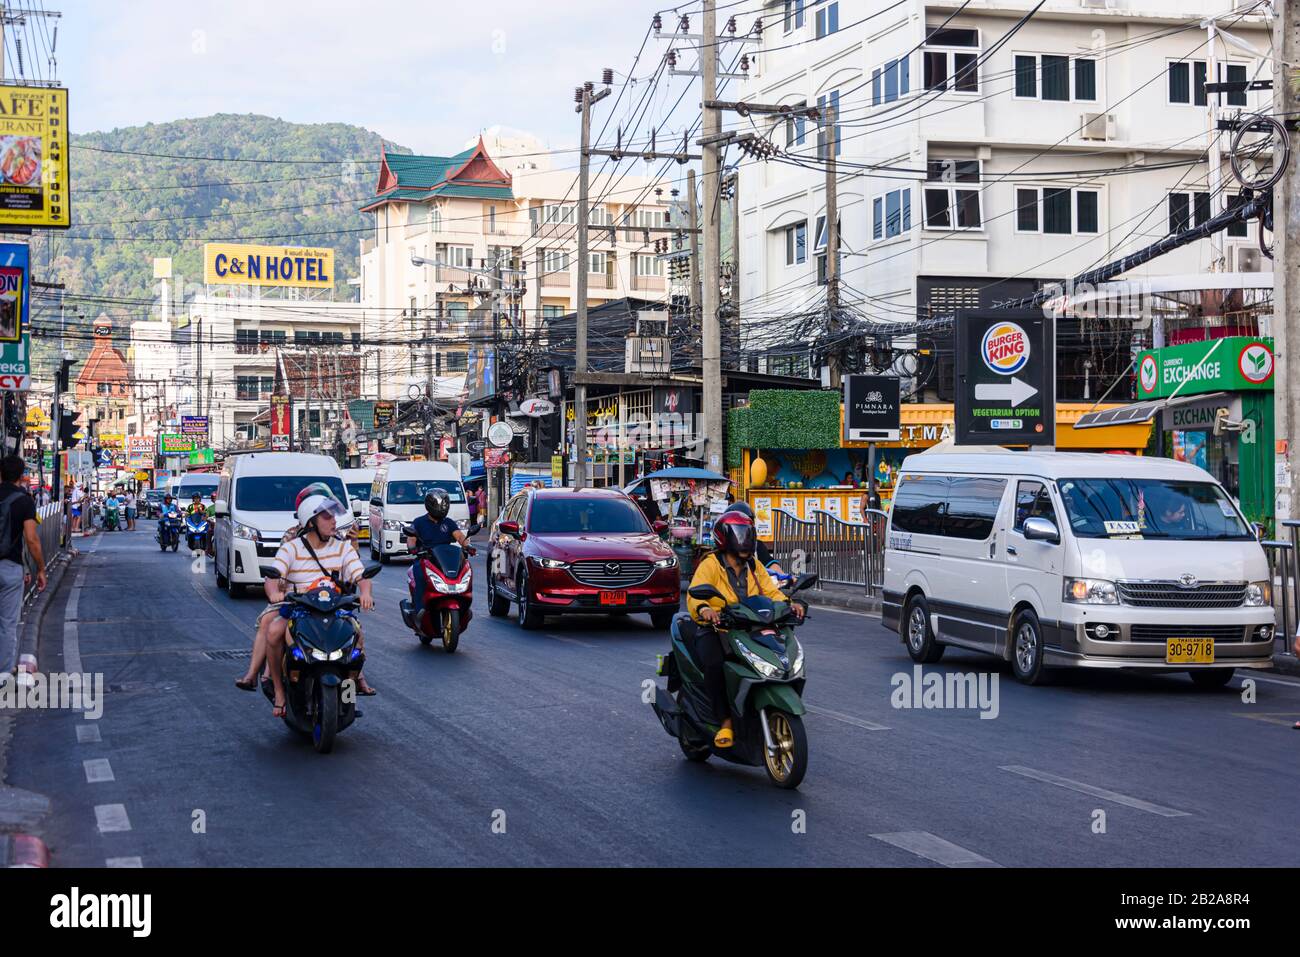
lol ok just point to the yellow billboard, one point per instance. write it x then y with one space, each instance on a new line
34 157
229 264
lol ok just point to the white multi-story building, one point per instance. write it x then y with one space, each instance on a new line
502 200
981 157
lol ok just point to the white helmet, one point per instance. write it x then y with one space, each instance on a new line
314 505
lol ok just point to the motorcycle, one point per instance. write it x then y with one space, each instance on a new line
169 533
112 522
448 595
321 656
765 681
196 531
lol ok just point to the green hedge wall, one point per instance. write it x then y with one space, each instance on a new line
784 419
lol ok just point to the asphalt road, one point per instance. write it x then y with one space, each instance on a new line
534 748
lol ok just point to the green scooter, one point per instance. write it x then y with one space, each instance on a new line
765 678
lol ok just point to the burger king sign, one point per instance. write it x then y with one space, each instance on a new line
1005 349
1005 378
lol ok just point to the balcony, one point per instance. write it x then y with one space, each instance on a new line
649 283
557 279
460 277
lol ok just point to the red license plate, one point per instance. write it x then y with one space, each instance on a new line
613 598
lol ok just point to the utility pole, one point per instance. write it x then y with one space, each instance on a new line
733 196
1286 259
693 199
832 246
198 380
710 327
1217 198
585 98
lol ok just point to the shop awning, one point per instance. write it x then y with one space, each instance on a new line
1138 412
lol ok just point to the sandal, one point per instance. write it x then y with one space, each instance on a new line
367 691
724 738
280 710
246 684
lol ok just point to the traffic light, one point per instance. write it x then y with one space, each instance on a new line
67 429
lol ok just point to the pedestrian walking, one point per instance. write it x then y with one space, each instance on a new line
128 501
17 528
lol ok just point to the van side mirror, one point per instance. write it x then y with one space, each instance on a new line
222 508
1042 530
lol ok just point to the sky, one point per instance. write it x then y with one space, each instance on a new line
426 74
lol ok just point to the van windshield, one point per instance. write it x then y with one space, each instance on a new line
1150 508
278 493
359 490
413 493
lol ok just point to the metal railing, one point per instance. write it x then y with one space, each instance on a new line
836 551
1283 555
50 533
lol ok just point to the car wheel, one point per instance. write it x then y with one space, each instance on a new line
498 606
1027 648
529 618
917 633
1212 678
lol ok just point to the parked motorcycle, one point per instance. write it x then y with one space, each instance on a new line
197 531
448 594
112 517
765 681
320 657
169 533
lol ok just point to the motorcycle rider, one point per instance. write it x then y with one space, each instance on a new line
732 570
314 554
763 553
432 529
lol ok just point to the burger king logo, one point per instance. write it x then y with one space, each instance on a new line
1006 348
1147 374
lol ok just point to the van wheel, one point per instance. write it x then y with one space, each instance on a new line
222 580
1212 678
1027 648
234 590
383 558
917 633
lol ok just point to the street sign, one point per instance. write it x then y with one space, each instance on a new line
384 414
871 408
175 445
476 447
500 434
195 425
15 366
496 458
537 408
1006 378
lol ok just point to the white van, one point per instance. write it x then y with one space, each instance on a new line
358 483
255 507
205 483
1067 559
397 499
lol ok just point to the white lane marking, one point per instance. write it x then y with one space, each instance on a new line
845 611
1271 680
124 862
111 818
934 848
98 771
244 627
71 641
88 734
847 718
1103 793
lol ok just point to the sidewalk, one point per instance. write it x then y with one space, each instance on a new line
845 597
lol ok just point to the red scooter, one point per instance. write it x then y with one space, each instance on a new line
448 595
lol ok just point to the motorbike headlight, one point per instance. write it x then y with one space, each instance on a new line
244 531
797 667
336 655
1090 591
764 668
318 655
552 563
1259 595
669 562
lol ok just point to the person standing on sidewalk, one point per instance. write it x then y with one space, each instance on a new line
76 497
18 518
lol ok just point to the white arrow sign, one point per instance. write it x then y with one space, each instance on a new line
1014 392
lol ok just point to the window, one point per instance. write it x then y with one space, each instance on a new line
1055 72
552 312
891 81
830 101
796 244
828 18
1033 501
492 219
598 216
1057 210
1182 511
948 61
456 362
649 265
435 220
891 214
560 215
597 263
457 311
576 516
1187 82
919 505
796 128
1237 230
793 19
1187 210
556 260
948 206
460 257
650 218
973 505
819 245
1233 73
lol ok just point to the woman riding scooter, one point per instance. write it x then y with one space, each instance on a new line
730 569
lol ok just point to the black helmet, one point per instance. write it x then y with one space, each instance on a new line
437 503
743 508
734 532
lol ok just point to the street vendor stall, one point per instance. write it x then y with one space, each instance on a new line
687 499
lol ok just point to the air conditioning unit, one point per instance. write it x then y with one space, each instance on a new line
1098 126
647 355
1248 258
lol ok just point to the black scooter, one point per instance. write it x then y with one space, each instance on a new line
169 533
321 657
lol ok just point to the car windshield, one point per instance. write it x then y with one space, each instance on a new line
1150 508
279 493
413 493
358 490
578 516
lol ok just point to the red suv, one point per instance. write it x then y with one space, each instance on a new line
562 551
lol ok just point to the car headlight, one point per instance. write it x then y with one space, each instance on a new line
392 526
1091 591
669 562
764 668
1259 595
246 532
552 563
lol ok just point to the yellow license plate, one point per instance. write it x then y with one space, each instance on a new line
1189 651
